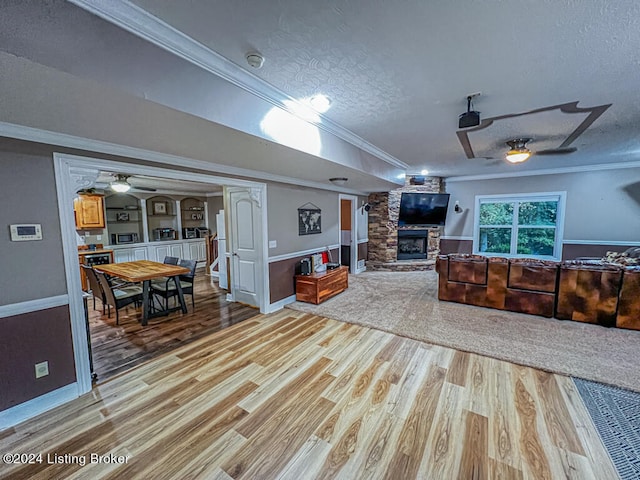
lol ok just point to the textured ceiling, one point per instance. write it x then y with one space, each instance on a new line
398 74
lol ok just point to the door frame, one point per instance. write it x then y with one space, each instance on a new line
73 173
353 245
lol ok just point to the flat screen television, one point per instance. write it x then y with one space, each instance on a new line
424 209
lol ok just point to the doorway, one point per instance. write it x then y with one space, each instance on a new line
348 232
74 173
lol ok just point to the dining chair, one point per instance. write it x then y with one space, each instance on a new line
171 260
94 285
168 289
118 297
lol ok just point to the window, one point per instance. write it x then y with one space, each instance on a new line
519 225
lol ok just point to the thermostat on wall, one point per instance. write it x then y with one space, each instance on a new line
26 232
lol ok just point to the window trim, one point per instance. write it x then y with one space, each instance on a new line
560 197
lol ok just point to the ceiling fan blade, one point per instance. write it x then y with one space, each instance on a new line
144 189
556 151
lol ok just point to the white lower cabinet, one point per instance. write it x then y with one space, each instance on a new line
183 250
129 254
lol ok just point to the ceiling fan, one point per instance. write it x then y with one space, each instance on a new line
518 151
121 184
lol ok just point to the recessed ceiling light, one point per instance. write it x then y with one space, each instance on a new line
320 103
424 172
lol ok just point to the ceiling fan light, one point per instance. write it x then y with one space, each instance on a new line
120 187
518 156
340 181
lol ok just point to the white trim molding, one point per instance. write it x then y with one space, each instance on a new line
455 237
302 253
616 243
24 411
547 171
141 23
64 140
33 305
280 304
363 240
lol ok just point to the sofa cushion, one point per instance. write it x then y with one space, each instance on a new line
468 269
539 276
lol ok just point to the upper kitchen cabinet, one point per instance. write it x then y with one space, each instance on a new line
89 211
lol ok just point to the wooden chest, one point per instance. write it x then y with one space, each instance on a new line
318 287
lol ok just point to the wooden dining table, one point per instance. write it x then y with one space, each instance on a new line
143 271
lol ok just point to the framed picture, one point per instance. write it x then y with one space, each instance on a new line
122 217
159 208
309 221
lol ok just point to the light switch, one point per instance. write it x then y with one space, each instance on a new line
42 369
273 243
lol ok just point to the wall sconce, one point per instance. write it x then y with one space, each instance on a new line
457 208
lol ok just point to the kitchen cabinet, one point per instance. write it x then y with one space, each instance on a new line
129 254
93 257
89 211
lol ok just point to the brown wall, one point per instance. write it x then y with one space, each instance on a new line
569 251
32 338
282 276
455 246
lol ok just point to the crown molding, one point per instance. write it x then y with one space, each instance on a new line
141 23
70 141
547 171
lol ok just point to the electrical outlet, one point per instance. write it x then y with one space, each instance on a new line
99 237
42 369
273 243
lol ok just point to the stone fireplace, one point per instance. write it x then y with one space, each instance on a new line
385 238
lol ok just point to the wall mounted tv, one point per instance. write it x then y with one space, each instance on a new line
423 209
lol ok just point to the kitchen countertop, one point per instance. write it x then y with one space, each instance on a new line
91 252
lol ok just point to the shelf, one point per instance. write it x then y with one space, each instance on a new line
126 209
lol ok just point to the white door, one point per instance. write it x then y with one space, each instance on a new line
222 250
245 240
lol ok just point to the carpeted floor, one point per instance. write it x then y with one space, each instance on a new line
616 415
406 304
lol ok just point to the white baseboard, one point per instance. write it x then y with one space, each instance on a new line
38 405
279 305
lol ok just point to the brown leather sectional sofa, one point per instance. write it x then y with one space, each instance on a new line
604 294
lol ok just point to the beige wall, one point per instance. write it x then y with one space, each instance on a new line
30 270
601 205
283 203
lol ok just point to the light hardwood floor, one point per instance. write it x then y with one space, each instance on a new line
296 396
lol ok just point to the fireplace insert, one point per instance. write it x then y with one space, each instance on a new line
412 244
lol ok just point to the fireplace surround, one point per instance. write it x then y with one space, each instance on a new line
384 234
